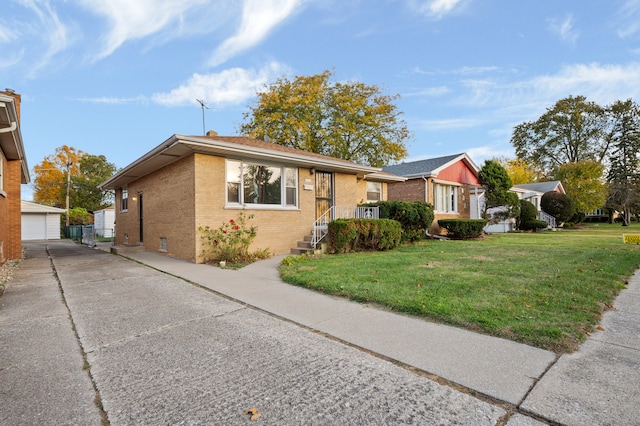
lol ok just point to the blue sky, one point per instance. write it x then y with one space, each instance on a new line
117 77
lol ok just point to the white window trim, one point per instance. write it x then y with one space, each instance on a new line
378 191
456 207
2 193
251 206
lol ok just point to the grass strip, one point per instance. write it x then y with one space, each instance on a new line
545 289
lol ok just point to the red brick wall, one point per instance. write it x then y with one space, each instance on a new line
10 224
410 190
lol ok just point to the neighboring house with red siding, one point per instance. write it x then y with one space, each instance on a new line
444 182
13 172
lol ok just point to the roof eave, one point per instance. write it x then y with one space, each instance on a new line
11 141
226 149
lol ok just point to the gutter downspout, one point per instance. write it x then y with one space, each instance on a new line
426 189
11 128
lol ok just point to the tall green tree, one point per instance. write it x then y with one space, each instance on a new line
582 181
573 130
352 121
94 169
500 202
623 173
78 170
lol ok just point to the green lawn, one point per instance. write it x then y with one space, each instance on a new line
546 289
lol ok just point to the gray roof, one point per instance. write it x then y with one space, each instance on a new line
541 186
421 167
29 207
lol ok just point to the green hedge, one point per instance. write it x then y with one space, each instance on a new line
533 224
463 229
347 235
415 217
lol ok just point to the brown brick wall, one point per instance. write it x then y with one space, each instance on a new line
278 230
413 190
10 222
168 210
410 190
190 193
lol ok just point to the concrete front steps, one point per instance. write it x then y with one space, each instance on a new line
304 247
127 249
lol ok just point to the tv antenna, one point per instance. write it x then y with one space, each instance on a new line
203 106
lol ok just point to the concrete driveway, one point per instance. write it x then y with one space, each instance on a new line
159 350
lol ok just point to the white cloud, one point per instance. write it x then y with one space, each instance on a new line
564 29
229 87
7 34
7 61
115 101
628 19
54 33
436 9
430 92
131 20
487 152
600 83
449 124
259 17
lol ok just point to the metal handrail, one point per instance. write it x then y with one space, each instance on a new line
321 228
551 221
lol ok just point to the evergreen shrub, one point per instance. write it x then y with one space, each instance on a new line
348 235
463 229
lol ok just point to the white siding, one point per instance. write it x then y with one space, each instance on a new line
40 226
104 222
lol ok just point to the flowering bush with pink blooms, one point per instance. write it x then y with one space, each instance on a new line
230 242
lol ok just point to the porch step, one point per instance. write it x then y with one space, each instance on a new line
304 247
127 249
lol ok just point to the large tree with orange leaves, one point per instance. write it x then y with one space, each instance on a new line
78 169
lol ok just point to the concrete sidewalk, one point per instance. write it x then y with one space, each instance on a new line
495 367
597 385
159 350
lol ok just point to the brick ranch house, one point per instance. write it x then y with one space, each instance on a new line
186 182
13 172
446 183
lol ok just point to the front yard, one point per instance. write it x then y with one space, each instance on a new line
545 289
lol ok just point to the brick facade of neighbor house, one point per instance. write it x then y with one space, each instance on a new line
423 177
411 190
10 230
183 183
13 173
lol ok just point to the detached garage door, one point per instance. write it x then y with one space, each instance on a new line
34 227
38 226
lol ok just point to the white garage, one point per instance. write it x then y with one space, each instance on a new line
40 222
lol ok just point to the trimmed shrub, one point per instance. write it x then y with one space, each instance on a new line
347 235
558 205
463 229
415 217
533 224
528 219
